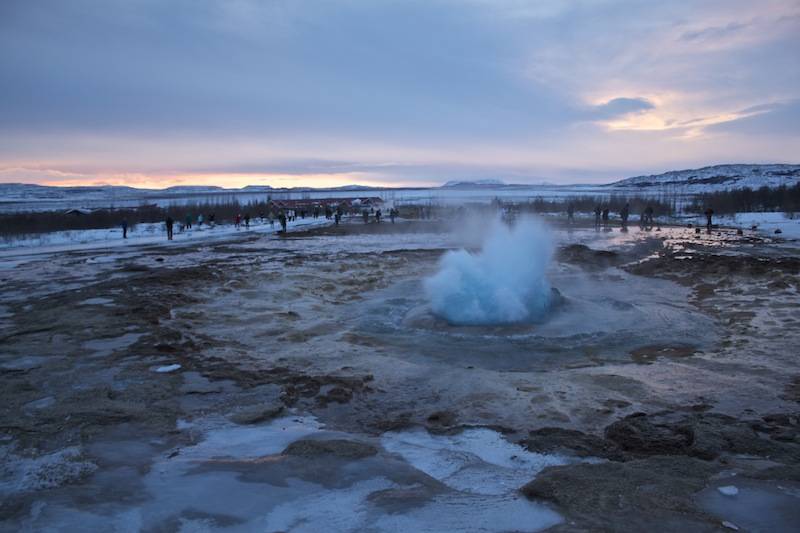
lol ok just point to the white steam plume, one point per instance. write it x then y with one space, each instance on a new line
504 283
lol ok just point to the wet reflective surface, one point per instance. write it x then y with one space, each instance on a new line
329 336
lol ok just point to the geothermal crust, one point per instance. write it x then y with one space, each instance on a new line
679 377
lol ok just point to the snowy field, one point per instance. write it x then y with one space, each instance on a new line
787 225
151 234
144 234
679 186
768 223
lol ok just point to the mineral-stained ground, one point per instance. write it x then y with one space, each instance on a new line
300 383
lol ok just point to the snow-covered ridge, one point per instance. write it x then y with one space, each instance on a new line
717 178
14 191
462 184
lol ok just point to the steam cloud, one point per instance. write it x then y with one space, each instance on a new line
505 283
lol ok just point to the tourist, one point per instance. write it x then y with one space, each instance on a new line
597 216
124 229
648 215
170 224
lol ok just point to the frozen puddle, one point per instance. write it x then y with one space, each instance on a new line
476 461
754 506
106 346
97 301
236 479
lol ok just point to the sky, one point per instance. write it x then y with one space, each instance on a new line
156 93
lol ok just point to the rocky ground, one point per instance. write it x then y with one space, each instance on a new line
263 327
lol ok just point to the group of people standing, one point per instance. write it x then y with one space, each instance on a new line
284 217
237 221
602 215
378 214
646 218
169 223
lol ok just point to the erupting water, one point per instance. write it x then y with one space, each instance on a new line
504 283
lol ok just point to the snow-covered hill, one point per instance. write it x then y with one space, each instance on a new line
716 178
464 184
29 191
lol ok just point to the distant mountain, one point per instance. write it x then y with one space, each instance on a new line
473 184
717 178
30 191
352 188
190 189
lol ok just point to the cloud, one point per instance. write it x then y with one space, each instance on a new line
397 90
619 107
397 69
714 32
38 175
774 119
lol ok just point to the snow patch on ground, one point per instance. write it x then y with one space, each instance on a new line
19 473
769 222
765 223
477 461
167 368
142 234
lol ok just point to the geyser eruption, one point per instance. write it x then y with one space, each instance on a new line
504 283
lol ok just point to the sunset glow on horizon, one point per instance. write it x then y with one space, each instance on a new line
231 181
151 94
